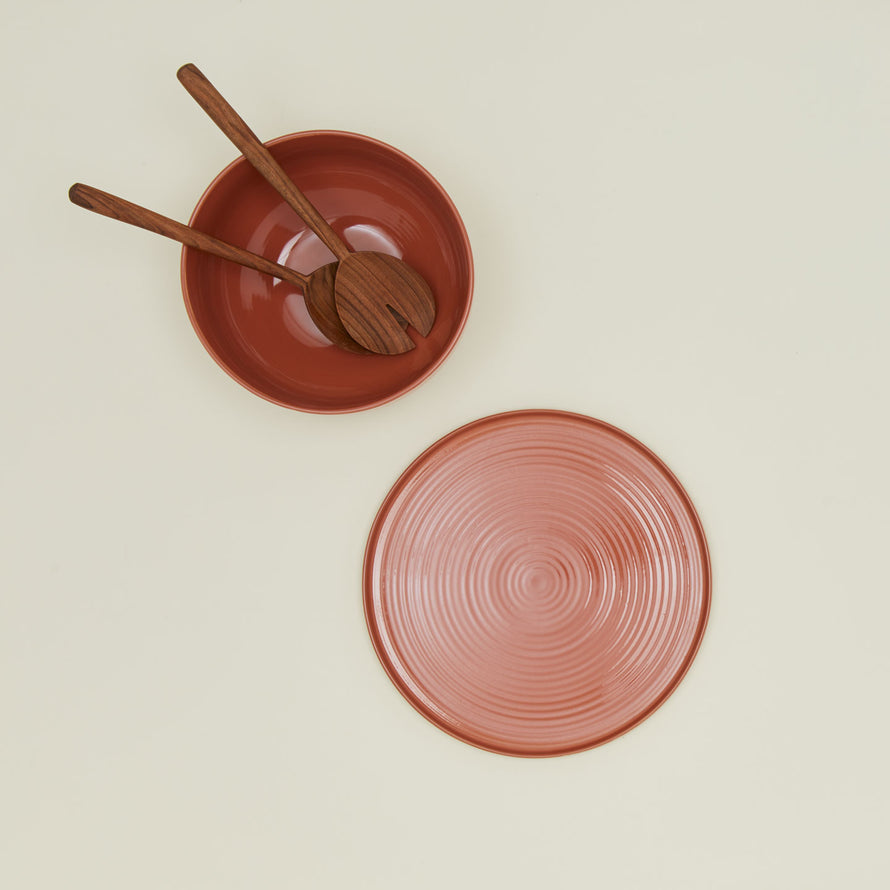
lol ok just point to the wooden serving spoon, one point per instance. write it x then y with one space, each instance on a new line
317 288
369 286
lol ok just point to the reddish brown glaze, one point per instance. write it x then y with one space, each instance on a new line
536 583
376 198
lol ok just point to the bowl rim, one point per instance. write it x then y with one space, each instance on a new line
461 230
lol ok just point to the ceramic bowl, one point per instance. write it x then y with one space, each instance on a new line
257 328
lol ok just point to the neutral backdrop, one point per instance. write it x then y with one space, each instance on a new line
679 214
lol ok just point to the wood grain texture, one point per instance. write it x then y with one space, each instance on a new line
117 208
370 282
317 288
249 144
370 286
320 303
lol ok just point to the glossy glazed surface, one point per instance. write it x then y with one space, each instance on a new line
536 583
258 329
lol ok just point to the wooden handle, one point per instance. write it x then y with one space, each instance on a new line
248 143
117 208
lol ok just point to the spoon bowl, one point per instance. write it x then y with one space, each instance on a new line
373 292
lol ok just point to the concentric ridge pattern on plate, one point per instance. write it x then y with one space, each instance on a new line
536 583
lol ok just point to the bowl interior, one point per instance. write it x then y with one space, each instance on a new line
257 328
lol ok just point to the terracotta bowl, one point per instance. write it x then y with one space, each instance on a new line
257 328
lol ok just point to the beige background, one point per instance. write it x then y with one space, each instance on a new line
679 213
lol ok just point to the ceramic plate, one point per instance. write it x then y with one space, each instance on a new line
536 583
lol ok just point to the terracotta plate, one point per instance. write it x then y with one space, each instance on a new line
536 583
